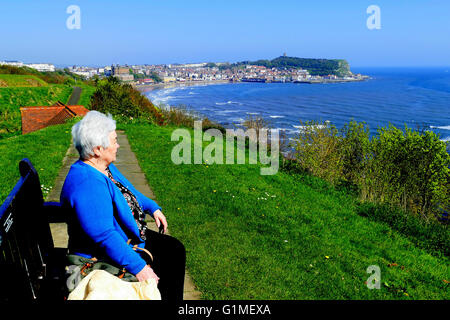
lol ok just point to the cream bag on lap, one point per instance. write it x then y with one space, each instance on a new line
101 285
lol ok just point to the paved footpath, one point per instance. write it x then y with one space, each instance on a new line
75 96
128 165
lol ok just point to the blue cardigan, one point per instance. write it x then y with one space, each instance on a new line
100 220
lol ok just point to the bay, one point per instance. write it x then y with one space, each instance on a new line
417 97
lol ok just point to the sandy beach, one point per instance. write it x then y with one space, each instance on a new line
157 86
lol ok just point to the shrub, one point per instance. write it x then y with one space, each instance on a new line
179 116
355 151
317 150
405 168
123 101
408 169
257 123
182 115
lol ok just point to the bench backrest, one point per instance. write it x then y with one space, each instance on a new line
25 238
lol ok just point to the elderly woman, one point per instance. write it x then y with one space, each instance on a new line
106 219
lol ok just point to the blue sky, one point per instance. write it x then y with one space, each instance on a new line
413 32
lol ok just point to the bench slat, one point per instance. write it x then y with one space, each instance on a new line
26 244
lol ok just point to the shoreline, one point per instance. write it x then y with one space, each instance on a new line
146 89
158 86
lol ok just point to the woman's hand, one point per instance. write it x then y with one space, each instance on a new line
160 218
147 273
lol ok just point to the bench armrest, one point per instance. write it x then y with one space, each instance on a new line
55 212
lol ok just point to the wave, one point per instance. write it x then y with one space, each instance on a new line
440 127
287 130
314 127
228 102
164 95
275 117
225 112
160 100
319 126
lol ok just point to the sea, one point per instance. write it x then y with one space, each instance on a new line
416 97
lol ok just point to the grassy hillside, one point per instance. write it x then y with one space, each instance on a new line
284 236
45 148
21 87
54 77
14 80
248 236
11 99
257 237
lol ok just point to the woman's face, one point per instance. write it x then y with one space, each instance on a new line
109 154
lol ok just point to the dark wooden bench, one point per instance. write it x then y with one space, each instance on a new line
31 268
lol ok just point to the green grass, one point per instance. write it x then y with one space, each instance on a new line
284 236
11 99
256 237
86 93
14 80
45 148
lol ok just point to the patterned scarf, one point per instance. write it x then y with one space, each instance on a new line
138 214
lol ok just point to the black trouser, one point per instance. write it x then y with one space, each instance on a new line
169 259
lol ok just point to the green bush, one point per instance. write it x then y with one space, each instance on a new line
355 151
408 169
317 150
180 115
405 168
123 102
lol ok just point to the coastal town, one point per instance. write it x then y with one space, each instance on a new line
195 72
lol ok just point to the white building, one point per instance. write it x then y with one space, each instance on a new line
12 63
193 65
42 67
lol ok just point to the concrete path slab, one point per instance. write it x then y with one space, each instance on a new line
75 96
128 165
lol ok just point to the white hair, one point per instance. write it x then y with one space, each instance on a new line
92 131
